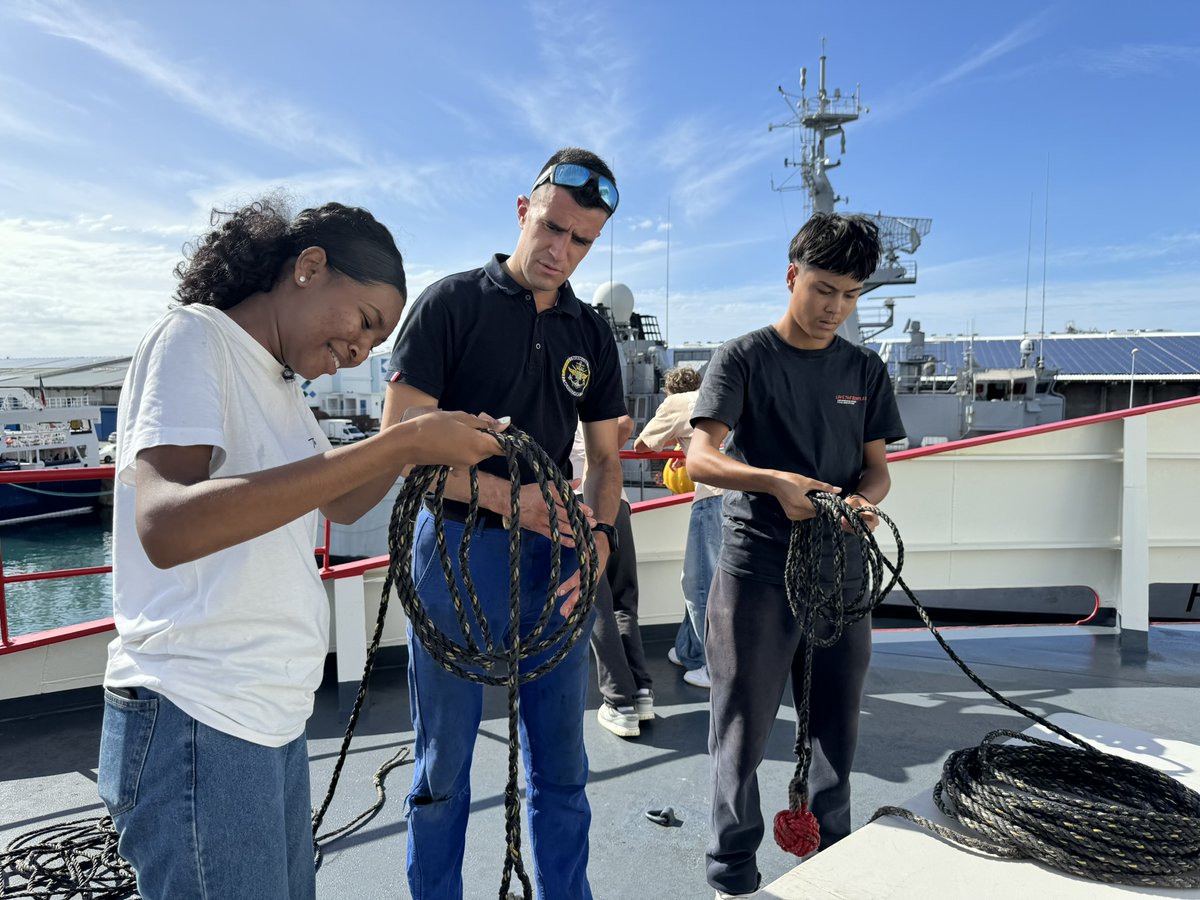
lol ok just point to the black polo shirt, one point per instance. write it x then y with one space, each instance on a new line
476 342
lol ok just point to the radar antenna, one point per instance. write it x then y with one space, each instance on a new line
818 119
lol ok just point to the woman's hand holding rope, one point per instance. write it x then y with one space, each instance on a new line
446 438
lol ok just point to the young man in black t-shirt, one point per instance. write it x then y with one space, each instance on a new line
803 410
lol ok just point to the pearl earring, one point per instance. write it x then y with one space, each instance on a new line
303 279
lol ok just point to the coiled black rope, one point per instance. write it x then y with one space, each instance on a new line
1074 808
79 859
69 859
483 661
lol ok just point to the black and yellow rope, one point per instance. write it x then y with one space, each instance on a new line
481 659
1073 807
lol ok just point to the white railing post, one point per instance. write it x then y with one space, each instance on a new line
350 636
1134 601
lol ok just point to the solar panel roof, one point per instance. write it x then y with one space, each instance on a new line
1076 356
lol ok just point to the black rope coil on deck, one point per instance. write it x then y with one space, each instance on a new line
482 661
69 859
1074 808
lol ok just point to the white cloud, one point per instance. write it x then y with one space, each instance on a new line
271 120
910 95
580 96
651 246
15 126
71 289
709 163
1138 59
1155 301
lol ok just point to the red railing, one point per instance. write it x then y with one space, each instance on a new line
358 567
90 473
56 635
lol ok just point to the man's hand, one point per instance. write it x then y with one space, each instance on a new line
535 515
571 585
791 491
866 512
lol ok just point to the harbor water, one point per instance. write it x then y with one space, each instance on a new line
86 540
72 542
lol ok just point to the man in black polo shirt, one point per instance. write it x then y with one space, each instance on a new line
513 339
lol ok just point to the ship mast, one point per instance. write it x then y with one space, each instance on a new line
819 119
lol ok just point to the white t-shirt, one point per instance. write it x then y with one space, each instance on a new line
579 461
237 639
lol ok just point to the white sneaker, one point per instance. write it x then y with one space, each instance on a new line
698 677
643 702
673 658
622 722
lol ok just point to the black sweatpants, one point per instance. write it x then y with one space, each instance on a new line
616 637
753 647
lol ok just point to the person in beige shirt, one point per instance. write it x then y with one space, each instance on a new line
672 425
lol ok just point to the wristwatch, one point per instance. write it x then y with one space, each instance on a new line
609 532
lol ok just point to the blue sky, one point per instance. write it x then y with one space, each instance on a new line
122 124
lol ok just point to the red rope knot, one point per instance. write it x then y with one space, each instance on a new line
797 831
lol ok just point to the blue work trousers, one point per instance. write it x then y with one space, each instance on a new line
447 710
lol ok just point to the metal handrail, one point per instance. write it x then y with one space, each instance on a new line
358 567
89 473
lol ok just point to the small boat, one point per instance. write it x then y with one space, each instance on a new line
39 433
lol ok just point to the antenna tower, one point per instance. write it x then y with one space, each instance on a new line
819 119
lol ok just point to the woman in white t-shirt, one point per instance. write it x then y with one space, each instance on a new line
222 621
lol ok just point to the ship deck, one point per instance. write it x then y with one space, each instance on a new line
918 708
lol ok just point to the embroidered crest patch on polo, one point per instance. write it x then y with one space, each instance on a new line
576 373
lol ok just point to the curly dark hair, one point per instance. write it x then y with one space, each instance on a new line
845 245
249 248
681 379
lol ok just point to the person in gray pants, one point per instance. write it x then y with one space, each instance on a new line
625 682
803 410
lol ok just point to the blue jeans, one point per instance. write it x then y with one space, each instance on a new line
699 564
446 712
200 813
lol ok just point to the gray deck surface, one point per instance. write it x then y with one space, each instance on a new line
918 708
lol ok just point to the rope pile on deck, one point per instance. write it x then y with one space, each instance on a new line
68 860
1074 808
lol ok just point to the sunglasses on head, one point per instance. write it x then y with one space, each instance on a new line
575 175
